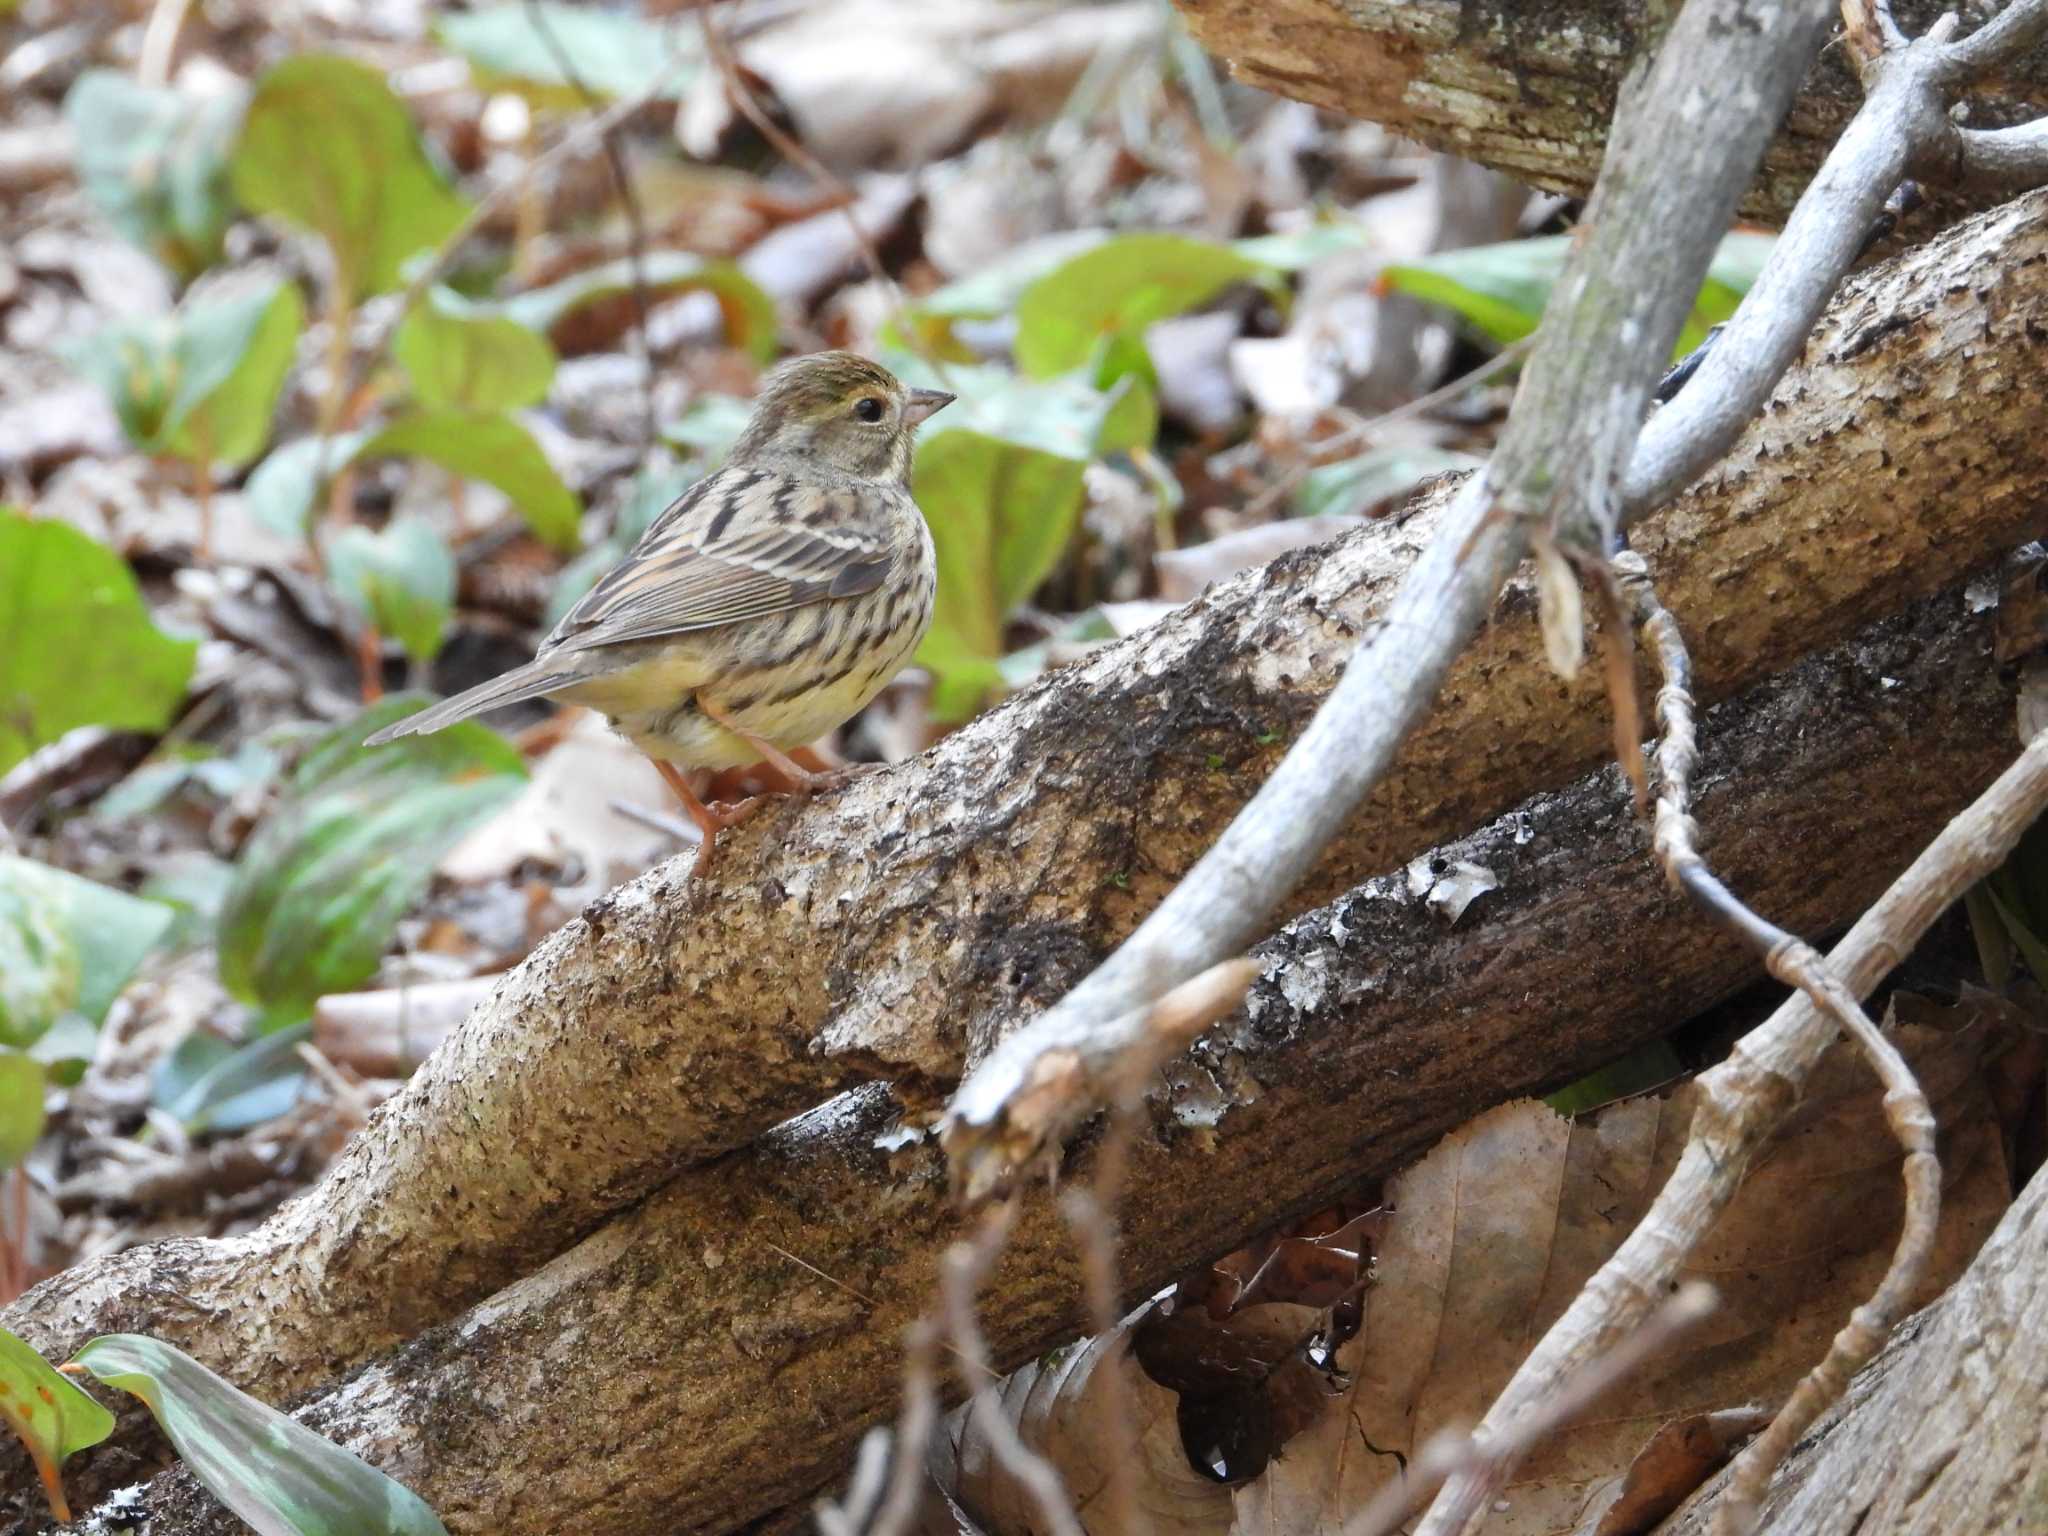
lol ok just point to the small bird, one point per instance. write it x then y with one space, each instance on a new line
766 606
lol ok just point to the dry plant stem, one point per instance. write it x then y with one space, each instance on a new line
1796 963
636 223
1745 1098
961 1272
1688 136
1450 1451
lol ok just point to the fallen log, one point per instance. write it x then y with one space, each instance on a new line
1528 86
895 928
712 1355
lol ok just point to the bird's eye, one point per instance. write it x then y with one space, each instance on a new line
868 409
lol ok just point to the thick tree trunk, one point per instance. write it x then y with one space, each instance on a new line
893 928
691 1367
1946 1434
1528 86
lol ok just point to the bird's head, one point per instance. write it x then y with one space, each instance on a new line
840 410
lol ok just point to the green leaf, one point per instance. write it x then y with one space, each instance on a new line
270 1470
495 449
67 945
995 289
615 54
211 1084
750 322
155 162
352 845
326 145
1642 1070
400 580
708 426
457 354
1298 249
200 384
22 1084
1001 514
1503 288
1357 485
76 643
284 489
1123 284
46 1408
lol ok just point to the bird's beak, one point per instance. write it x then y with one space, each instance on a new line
923 402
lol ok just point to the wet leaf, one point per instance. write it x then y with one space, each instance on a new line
155 162
201 384
493 448
455 354
67 946
400 579
750 322
1123 284
352 845
327 145
82 649
22 1085
615 53
270 1470
54 1419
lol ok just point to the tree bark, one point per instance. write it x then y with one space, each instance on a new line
897 927
1946 1433
713 1354
1528 86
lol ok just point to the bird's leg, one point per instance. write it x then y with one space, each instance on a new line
709 822
801 779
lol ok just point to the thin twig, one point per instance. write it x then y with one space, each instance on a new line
636 224
961 1271
1360 431
1450 1451
1796 963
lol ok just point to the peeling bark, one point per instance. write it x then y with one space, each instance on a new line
688 1343
896 927
1528 86
1946 1433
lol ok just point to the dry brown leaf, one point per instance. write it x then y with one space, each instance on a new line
1496 1230
1679 1458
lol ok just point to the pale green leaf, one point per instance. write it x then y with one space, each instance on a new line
270 1470
155 161
67 946
1123 284
327 145
211 1084
456 354
1357 485
401 580
614 53
76 643
48 1411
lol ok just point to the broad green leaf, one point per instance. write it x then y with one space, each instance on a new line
482 445
155 162
22 1084
1503 288
708 426
750 322
211 1084
1001 514
1642 1070
455 354
270 1470
326 145
994 289
349 849
200 384
614 53
284 489
400 580
1357 485
76 643
46 1408
1123 284
67 946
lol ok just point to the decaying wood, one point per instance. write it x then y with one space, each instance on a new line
1947 1433
896 927
729 1339
1528 86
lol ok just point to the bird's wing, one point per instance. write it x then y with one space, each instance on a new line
746 543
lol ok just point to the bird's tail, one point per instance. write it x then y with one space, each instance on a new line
516 686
